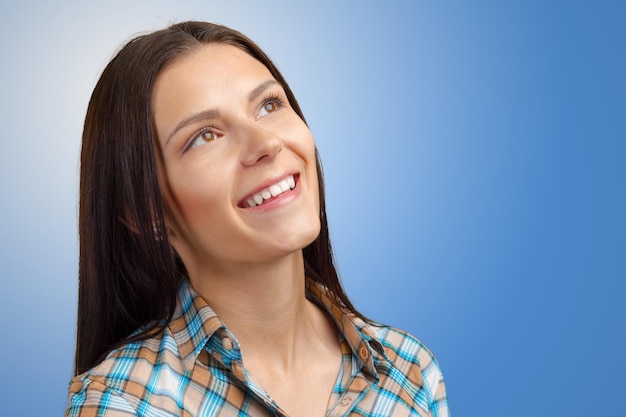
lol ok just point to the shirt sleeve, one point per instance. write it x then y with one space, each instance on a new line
93 399
433 379
439 406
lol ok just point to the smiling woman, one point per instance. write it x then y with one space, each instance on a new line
207 284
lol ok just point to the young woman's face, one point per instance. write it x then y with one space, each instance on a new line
238 171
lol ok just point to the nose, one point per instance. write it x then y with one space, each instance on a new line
259 145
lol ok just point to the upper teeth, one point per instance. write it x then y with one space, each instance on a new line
272 191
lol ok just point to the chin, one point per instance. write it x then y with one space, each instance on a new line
305 235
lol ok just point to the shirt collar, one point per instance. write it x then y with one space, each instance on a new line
358 334
194 323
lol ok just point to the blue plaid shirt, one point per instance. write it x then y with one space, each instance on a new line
195 368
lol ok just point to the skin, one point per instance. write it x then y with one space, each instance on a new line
226 131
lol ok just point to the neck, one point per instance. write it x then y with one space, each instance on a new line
265 307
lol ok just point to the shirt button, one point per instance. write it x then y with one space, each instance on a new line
346 400
363 353
227 343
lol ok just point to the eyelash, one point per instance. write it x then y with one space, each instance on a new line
196 135
273 98
270 98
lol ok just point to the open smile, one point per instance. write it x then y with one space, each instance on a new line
267 194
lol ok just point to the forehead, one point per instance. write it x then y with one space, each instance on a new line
215 65
212 76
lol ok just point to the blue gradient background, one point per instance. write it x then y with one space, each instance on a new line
475 164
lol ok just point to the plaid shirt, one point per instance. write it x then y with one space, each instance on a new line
195 368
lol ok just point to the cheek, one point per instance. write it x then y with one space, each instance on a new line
304 144
311 158
306 149
197 200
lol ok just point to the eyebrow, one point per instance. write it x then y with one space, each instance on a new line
214 113
198 117
262 87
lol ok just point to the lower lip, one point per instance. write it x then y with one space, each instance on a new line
280 200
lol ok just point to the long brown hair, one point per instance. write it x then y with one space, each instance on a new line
128 279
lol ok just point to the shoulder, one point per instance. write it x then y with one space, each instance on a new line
414 361
118 384
403 348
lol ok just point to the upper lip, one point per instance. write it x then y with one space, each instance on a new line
265 184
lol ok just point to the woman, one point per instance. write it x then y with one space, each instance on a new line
207 284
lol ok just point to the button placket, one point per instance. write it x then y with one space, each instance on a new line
344 405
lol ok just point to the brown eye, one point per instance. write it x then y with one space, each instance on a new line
270 107
206 136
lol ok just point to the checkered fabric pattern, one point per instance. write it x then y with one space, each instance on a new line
195 368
